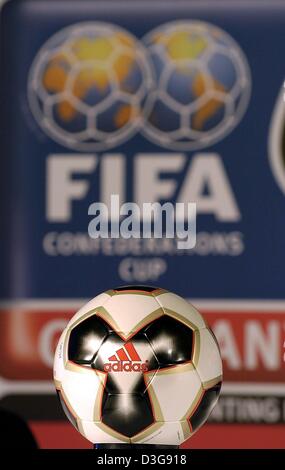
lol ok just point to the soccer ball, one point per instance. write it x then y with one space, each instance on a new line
137 365
87 85
202 85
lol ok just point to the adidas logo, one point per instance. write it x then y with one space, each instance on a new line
126 359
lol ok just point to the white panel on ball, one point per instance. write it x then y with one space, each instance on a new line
58 367
97 301
167 434
95 433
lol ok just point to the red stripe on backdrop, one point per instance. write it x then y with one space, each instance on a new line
61 435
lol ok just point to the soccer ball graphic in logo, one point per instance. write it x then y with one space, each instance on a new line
87 84
137 365
202 85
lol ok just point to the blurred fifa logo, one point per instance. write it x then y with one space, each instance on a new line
277 141
184 86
